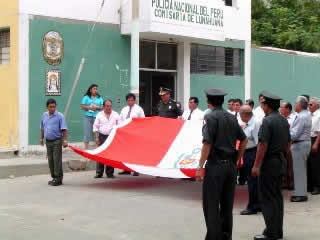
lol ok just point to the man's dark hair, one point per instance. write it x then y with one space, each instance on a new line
88 93
231 100
260 95
306 96
250 102
274 105
130 95
51 101
195 99
288 105
107 100
215 101
238 100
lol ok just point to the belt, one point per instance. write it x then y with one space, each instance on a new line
103 135
52 140
251 149
298 141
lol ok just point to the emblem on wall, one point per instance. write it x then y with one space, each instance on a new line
53 83
52 48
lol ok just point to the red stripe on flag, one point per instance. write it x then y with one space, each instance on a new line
144 141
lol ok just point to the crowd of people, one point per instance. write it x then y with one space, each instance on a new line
277 144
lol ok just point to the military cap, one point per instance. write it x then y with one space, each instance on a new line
215 92
164 91
269 97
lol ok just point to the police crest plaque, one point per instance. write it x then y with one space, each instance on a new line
53 48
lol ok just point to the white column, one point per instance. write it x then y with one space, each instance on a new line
247 69
23 82
183 80
134 76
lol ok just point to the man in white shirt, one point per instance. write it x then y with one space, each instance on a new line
193 113
105 121
258 111
230 106
313 163
237 103
286 111
251 128
132 110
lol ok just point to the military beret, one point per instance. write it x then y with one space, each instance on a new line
215 92
164 91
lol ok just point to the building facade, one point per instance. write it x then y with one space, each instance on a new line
58 48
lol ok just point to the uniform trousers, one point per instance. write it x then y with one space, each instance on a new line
300 152
313 169
249 157
271 202
218 197
100 167
54 153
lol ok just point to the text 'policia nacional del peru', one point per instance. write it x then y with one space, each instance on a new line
187 12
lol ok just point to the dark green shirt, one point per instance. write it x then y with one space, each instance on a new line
274 131
222 131
169 110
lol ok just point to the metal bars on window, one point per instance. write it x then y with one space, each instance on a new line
216 60
4 46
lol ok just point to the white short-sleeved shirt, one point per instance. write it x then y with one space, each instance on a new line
315 129
197 114
104 125
136 112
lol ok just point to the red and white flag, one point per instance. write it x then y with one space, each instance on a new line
154 146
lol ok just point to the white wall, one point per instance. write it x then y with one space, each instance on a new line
86 10
237 23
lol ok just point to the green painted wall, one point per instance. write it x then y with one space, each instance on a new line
284 74
233 85
107 64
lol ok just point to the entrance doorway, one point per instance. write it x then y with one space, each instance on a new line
150 83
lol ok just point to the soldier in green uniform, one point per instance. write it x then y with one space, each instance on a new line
270 165
220 134
167 107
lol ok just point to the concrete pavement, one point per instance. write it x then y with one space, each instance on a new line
128 208
36 164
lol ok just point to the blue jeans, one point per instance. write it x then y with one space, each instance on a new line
88 128
249 156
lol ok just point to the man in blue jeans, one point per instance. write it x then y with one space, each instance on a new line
54 132
251 127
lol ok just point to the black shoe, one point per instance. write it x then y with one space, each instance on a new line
56 182
50 182
248 212
299 199
135 174
124 173
98 176
110 176
316 191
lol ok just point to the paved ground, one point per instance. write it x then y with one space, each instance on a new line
125 208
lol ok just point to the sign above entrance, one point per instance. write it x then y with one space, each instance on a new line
206 14
202 19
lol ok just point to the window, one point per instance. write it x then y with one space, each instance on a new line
147 52
216 60
4 46
158 55
228 2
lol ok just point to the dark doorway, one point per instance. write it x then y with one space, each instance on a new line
150 83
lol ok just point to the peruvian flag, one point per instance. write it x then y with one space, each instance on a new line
154 146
